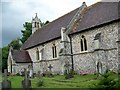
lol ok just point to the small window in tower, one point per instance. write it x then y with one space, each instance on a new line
35 24
83 43
54 51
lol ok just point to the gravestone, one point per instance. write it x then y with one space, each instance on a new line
26 83
30 71
67 68
6 84
68 73
50 70
39 74
99 67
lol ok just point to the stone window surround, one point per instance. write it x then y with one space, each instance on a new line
35 24
54 51
83 44
37 54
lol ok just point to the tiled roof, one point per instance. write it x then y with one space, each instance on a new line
21 56
98 14
95 15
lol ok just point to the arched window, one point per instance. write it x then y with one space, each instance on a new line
83 43
35 24
37 54
54 51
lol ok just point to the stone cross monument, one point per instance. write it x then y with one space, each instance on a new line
6 83
26 83
50 70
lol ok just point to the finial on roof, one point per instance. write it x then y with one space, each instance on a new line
36 14
84 4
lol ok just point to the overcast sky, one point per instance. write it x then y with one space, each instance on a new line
16 12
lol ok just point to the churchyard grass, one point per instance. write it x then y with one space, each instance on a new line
59 81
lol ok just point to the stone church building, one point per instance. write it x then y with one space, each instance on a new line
84 40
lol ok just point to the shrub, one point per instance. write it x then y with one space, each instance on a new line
117 85
23 73
18 74
74 73
106 82
40 83
65 72
69 75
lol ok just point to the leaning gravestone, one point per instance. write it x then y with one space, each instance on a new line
6 84
26 83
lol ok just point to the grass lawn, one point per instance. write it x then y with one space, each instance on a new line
79 81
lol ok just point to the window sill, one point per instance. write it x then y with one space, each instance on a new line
82 52
55 58
37 60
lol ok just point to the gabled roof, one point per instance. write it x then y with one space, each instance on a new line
96 14
21 56
99 13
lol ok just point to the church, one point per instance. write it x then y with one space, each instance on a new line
85 40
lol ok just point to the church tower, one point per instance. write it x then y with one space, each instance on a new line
36 23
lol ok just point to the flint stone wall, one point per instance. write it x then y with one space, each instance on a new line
85 62
47 58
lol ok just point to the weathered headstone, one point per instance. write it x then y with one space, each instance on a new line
26 83
99 67
39 74
50 70
6 84
68 72
30 71
67 68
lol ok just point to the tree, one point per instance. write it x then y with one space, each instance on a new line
15 44
5 52
27 32
44 23
0 58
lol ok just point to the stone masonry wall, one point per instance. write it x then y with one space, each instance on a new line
85 62
19 67
42 65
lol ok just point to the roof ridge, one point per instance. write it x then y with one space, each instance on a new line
90 19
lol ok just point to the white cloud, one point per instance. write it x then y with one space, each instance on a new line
16 12
47 9
0 25
110 0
